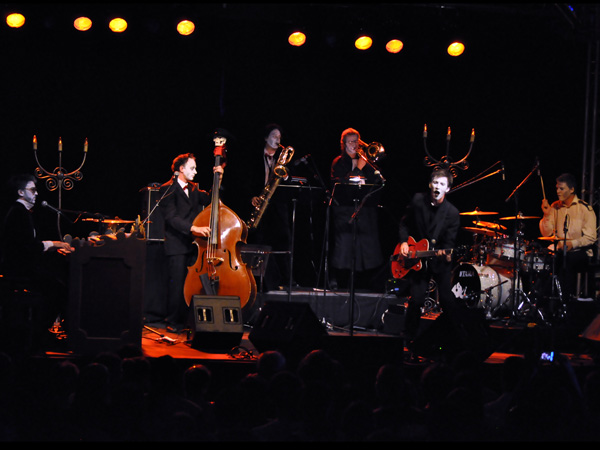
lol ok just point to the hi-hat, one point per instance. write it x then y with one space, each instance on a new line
553 238
109 221
493 226
477 212
519 217
481 231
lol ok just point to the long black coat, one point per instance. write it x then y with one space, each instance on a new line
368 254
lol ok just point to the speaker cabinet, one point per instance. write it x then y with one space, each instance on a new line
289 327
464 330
216 322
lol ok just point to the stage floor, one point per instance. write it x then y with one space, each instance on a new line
375 339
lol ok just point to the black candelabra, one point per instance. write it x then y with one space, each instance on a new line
60 178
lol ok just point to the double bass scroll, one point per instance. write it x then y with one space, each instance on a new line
219 269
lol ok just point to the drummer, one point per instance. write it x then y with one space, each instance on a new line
571 216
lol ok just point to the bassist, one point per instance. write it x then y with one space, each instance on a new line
432 217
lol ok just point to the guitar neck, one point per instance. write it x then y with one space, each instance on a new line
427 253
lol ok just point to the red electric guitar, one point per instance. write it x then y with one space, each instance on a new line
401 265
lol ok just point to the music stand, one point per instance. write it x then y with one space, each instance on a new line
293 192
357 195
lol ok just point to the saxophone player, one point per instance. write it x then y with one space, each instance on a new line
274 228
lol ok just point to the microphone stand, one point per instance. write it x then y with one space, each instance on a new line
143 223
357 209
514 193
477 178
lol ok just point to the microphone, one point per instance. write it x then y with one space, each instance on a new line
503 176
377 172
46 205
537 166
566 225
301 160
175 175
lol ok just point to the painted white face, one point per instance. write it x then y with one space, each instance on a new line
189 169
219 141
439 188
30 193
274 138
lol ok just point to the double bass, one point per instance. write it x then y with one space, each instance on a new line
219 269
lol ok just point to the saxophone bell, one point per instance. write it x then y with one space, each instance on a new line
280 170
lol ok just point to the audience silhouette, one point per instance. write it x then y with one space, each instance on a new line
126 396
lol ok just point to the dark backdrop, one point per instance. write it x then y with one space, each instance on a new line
145 96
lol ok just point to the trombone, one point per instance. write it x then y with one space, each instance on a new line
371 153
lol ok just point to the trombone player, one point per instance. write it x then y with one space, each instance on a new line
352 166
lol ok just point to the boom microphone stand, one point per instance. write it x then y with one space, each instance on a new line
515 288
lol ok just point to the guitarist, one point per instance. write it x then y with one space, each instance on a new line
430 216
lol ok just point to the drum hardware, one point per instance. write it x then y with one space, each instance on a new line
555 287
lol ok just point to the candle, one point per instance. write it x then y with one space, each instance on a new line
85 145
34 142
60 144
448 135
472 134
425 131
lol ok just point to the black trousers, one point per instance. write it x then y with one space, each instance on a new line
419 285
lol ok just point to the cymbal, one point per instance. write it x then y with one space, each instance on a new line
519 217
477 212
493 226
480 231
552 238
109 221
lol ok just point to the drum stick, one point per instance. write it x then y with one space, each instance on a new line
543 190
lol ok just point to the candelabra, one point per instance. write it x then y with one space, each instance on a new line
446 161
59 179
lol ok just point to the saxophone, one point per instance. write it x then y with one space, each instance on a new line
280 171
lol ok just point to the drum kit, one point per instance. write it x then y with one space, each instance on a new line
508 276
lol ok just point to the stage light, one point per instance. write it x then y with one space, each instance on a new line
15 20
82 23
118 25
185 27
394 46
297 38
456 48
363 43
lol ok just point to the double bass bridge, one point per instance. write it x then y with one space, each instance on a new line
215 261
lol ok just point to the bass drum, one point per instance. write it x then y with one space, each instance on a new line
482 286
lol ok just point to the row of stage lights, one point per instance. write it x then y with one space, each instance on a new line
187 27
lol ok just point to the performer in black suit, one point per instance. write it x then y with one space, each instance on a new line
430 216
368 255
27 259
181 202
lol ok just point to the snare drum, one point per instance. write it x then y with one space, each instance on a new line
481 286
